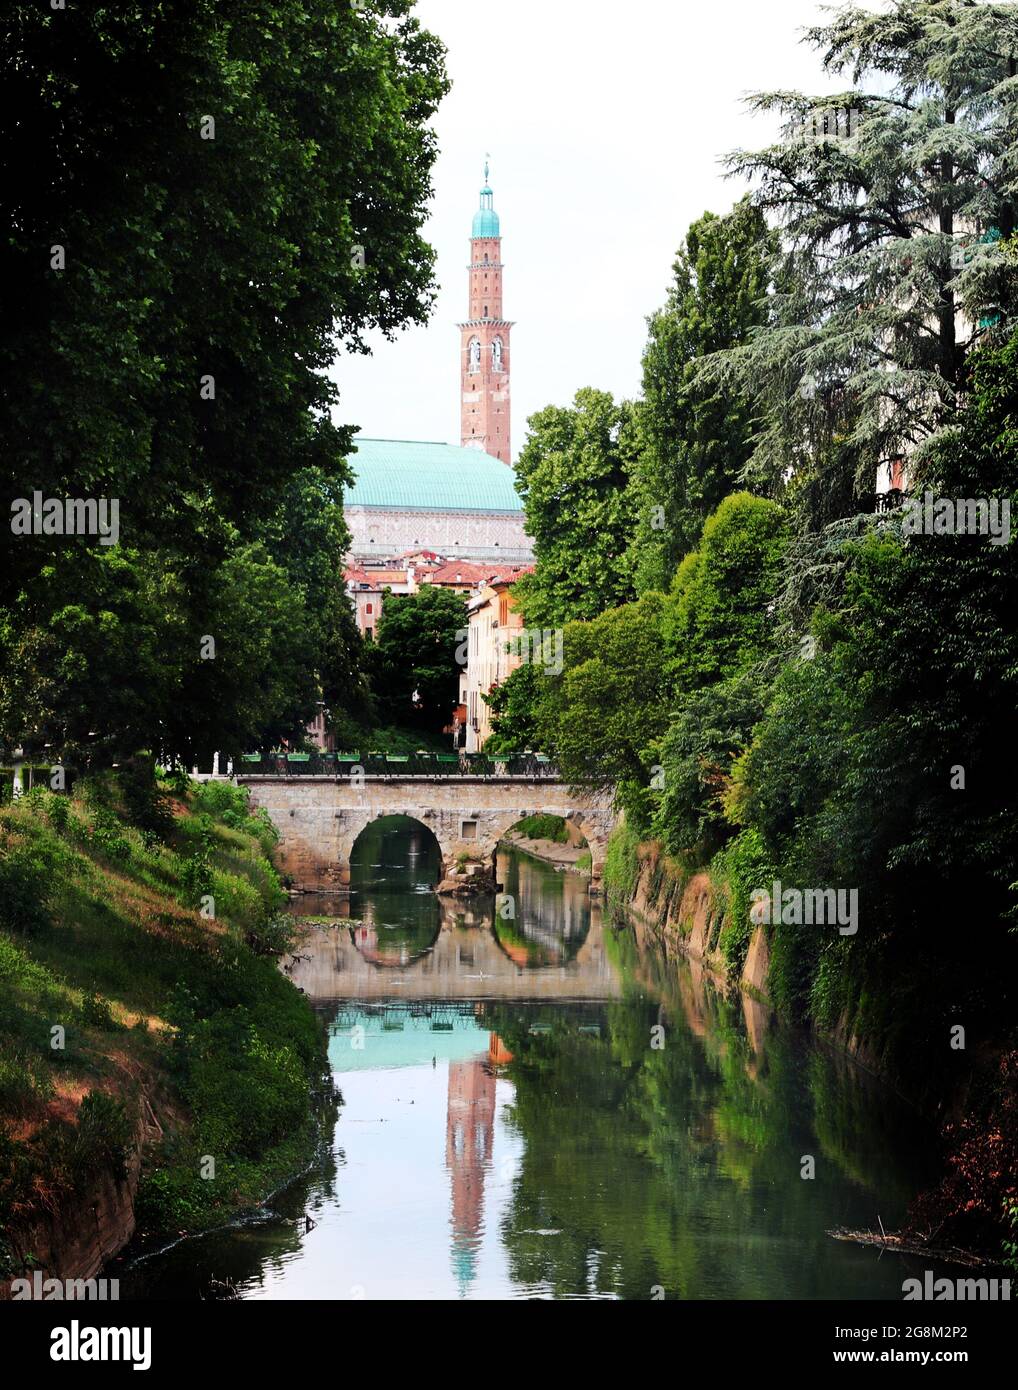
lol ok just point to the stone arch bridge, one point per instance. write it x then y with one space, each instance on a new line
320 818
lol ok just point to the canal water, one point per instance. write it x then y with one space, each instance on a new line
533 1108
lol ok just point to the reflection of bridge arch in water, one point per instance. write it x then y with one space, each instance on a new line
463 963
542 915
406 941
394 864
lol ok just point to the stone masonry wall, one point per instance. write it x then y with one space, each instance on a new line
319 818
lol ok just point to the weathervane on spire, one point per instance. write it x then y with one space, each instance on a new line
486 158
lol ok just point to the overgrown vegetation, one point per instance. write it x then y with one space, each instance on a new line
125 999
543 827
789 684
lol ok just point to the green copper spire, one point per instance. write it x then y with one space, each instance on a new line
485 218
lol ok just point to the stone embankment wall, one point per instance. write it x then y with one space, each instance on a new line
687 913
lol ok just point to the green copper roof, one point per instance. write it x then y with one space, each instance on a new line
485 218
408 474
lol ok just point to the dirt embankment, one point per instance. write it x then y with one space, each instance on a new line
567 856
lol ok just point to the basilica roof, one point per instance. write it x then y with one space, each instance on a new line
419 475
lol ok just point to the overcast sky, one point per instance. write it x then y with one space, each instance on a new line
605 124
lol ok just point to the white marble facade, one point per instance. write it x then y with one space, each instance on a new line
381 533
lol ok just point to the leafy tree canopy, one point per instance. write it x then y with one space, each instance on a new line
573 475
414 668
718 619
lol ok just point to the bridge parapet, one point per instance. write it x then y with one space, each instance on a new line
536 766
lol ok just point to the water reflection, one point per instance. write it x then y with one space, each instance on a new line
394 866
542 938
585 1119
544 915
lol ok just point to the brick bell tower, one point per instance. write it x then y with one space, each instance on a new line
484 341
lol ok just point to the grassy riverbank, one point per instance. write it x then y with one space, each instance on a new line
140 996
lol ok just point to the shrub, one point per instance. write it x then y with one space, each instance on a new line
622 865
58 810
218 798
145 805
543 827
103 832
96 1013
273 936
25 886
196 874
102 1138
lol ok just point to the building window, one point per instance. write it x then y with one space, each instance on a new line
468 830
368 608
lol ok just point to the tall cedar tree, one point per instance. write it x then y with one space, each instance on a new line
891 197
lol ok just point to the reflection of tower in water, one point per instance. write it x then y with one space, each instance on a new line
470 1121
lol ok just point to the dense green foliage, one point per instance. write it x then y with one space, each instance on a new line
697 435
543 827
169 319
167 1011
602 711
817 695
413 658
718 621
889 269
573 474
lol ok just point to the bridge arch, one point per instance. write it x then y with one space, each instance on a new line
379 821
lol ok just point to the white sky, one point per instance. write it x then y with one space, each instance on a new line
605 125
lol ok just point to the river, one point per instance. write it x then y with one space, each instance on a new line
531 1108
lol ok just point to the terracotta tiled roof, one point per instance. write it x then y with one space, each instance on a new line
431 556
509 574
458 572
375 579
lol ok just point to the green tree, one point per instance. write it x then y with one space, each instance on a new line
709 729
889 269
573 475
413 660
879 763
610 701
514 705
264 207
718 619
719 630
698 435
